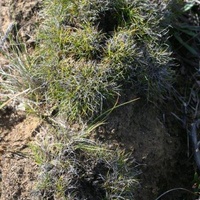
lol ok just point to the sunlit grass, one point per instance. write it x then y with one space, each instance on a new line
78 167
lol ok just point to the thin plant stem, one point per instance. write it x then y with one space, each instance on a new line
175 189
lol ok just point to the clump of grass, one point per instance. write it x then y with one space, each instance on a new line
79 168
75 38
82 89
147 70
18 81
87 52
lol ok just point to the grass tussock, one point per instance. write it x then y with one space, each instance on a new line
88 51
79 168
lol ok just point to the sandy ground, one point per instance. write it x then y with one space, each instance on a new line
17 168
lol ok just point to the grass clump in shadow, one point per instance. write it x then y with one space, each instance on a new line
185 30
184 21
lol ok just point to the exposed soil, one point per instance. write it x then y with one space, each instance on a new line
23 13
158 142
159 146
17 168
